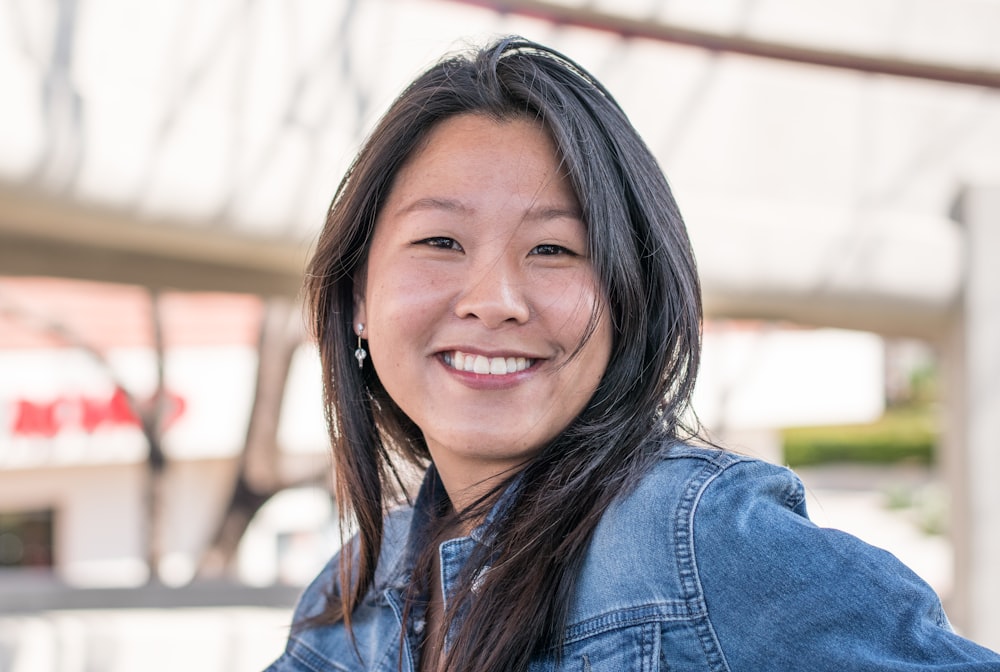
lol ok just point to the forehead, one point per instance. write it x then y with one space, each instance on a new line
474 154
470 125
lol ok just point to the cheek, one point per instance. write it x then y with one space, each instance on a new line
597 349
571 307
401 309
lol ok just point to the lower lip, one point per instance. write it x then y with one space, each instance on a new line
486 381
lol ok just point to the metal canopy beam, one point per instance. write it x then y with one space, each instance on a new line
42 236
585 17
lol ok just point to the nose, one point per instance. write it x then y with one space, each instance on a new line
495 295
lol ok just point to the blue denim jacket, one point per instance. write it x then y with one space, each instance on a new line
709 564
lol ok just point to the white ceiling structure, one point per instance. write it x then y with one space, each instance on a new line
818 149
196 144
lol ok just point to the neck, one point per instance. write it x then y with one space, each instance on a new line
466 488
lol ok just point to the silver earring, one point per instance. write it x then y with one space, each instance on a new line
360 353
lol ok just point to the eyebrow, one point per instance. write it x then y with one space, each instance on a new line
457 206
434 203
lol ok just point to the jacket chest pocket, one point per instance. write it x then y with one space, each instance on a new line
634 648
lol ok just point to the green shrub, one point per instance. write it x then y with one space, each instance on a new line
901 434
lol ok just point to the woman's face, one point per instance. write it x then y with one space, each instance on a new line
478 292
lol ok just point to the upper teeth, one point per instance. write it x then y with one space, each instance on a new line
496 366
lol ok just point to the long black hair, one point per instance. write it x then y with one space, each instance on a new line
640 252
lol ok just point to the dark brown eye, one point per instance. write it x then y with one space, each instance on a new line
551 250
442 242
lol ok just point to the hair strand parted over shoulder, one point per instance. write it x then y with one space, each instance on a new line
640 252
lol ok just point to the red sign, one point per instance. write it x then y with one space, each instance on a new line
48 418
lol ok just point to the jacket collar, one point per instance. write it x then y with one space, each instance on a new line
431 502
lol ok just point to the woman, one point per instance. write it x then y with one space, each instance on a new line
504 295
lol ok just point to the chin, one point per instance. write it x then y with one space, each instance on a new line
493 448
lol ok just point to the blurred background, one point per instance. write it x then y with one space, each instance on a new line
166 165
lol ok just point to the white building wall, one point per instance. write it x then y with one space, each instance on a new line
98 518
94 477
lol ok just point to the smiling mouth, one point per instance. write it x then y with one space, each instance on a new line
493 366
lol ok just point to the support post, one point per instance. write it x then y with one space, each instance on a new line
972 431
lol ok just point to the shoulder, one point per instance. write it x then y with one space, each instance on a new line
646 548
722 543
688 480
693 486
764 572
